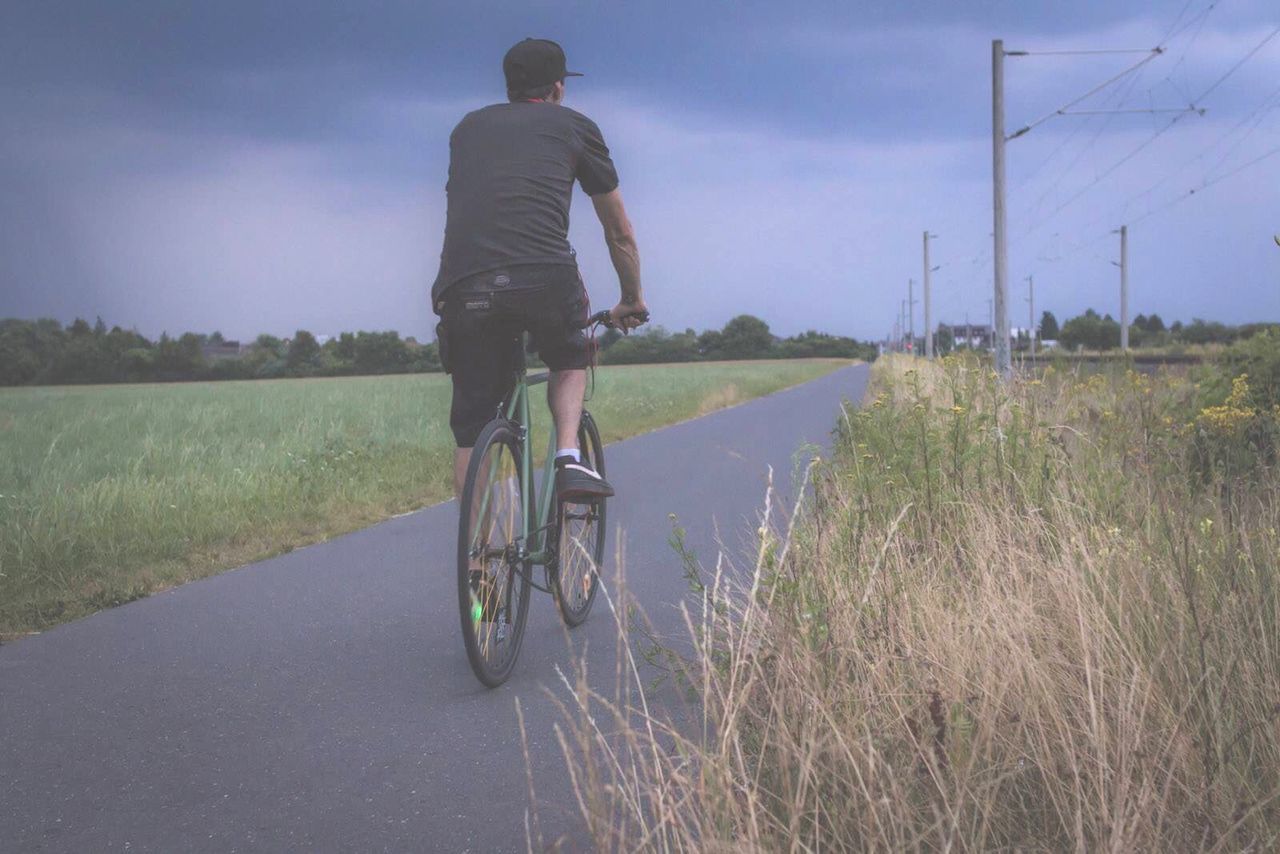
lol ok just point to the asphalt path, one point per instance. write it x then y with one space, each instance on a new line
322 701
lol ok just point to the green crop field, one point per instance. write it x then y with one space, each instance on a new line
108 493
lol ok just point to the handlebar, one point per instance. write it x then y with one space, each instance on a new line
605 318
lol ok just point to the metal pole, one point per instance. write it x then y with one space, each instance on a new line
1031 312
1000 326
1124 288
991 323
911 315
928 307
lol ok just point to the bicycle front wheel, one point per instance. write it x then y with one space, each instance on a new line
581 547
493 580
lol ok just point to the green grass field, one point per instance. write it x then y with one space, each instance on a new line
108 493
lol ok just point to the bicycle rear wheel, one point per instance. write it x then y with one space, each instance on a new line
493 583
582 532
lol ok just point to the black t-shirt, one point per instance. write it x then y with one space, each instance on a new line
511 174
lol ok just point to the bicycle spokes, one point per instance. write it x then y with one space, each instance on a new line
498 486
579 530
493 557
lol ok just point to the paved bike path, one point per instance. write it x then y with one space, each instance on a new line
321 700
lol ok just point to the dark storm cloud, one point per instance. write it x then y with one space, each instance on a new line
292 68
305 69
263 166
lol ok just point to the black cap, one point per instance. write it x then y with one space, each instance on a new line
533 63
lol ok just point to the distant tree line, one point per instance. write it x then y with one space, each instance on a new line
743 337
44 352
1102 332
1093 331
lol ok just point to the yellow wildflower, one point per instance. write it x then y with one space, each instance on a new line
1233 415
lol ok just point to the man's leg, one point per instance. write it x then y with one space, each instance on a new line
565 391
480 348
574 479
557 321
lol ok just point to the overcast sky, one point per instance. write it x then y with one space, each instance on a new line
251 166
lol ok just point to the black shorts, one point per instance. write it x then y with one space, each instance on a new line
482 319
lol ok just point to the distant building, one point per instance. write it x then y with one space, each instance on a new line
972 335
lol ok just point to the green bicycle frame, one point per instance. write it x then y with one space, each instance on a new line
519 411
534 519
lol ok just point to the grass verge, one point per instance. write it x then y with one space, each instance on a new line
1035 616
108 493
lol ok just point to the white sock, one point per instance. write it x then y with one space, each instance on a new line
569 452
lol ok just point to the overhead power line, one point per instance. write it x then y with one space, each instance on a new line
1119 97
1261 114
1134 111
1195 104
1077 52
1269 103
1233 69
1116 103
1204 185
1175 31
1176 20
1207 184
1152 53
1105 174
1196 21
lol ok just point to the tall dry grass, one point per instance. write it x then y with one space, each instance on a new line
1034 617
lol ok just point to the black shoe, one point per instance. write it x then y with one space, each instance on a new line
577 481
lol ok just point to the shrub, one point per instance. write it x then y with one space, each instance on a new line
1258 357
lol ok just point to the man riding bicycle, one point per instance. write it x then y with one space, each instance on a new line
507 266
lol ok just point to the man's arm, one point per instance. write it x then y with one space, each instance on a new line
621 239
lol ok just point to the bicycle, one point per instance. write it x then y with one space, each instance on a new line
506 528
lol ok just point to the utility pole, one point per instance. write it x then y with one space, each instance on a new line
1124 288
928 306
911 315
991 322
999 139
1000 324
1031 312
902 324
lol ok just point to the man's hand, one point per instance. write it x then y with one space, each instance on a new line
628 315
